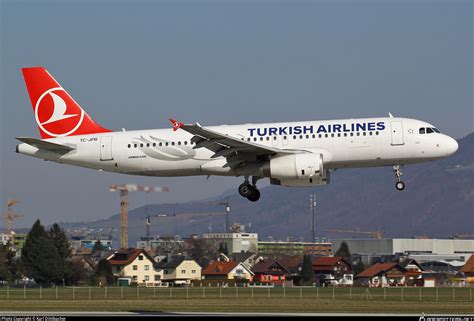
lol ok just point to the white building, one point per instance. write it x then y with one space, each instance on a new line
136 266
236 242
419 249
179 270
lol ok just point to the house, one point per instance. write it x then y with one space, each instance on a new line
413 272
247 258
134 266
269 272
333 270
222 271
468 270
294 265
179 270
382 275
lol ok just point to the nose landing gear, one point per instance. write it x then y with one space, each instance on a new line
250 191
399 185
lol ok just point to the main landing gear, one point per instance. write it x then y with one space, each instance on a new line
250 191
399 184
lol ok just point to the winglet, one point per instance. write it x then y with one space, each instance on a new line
176 124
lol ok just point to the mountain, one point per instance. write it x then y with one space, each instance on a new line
438 201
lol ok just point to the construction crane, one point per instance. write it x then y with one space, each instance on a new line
9 217
148 221
226 203
124 189
376 234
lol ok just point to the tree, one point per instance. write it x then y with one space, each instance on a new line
97 247
203 251
103 273
8 268
359 267
63 247
40 257
60 241
307 275
344 252
223 248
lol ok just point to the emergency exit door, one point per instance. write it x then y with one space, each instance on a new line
397 133
106 148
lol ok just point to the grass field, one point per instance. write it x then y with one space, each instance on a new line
363 300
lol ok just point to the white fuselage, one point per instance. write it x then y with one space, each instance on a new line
343 144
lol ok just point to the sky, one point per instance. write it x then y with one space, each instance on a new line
134 64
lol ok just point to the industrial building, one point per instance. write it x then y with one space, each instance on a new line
161 244
276 248
236 242
373 251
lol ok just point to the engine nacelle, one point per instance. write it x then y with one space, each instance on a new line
297 170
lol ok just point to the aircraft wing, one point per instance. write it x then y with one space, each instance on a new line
235 150
45 145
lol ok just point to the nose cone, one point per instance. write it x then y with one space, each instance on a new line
451 145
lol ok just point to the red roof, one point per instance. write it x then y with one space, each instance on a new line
219 268
127 256
264 267
469 266
377 269
325 262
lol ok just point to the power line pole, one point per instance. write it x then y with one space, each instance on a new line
312 198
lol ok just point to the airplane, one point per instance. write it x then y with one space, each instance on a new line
302 153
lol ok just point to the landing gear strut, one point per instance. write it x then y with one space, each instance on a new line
250 191
399 184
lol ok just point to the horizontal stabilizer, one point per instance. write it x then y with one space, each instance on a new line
45 145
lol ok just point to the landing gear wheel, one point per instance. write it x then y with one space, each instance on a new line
400 186
254 195
245 189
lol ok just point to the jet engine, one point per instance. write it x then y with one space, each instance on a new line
297 170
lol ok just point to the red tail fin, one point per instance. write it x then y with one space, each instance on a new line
56 113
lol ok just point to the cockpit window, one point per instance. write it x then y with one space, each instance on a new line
429 130
422 130
436 130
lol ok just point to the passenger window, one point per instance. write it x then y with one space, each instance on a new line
332 135
352 134
129 145
135 145
320 136
422 130
339 135
248 139
370 133
141 145
301 136
166 144
358 134
314 136
268 138
179 143
326 135
376 133
274 138
364 133
429 130
284 137
161 144
186 142
345 134
148 145
261 138
154 144
255 139
294 136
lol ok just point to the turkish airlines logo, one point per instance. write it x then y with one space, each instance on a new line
54 116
